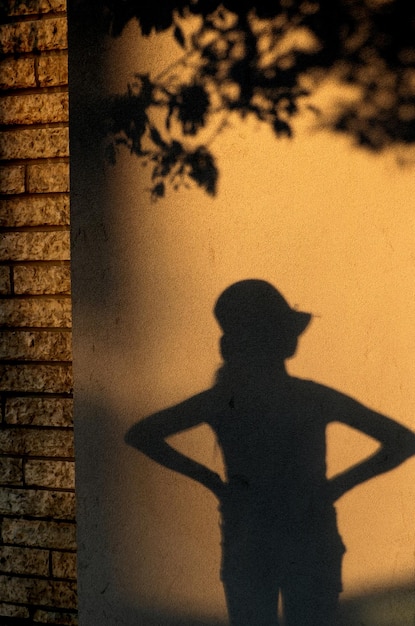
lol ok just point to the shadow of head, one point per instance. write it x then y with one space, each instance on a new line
258 323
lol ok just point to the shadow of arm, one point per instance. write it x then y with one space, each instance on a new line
397 443
149 436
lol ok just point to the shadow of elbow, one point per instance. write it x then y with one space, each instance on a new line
133 437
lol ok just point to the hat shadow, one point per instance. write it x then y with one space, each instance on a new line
260 327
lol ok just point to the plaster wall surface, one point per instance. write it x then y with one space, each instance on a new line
332 227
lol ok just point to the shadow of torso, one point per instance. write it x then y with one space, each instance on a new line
279 525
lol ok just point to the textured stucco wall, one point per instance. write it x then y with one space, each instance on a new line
330 225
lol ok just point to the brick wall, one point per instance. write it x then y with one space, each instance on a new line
37 508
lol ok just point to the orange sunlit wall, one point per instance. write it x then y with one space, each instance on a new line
332 227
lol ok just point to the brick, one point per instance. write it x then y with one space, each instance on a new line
48 177
10 610
28 7
34 108
52 70
45 312
64 565
12 179
33 36
35 211
34 143
39 411
35 345
5 286
55 617
39 592
39 533
37 442
35 246
16 560
11 471
36 280
53 474
17 73
37 503
51 378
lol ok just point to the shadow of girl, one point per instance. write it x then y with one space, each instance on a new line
279 530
